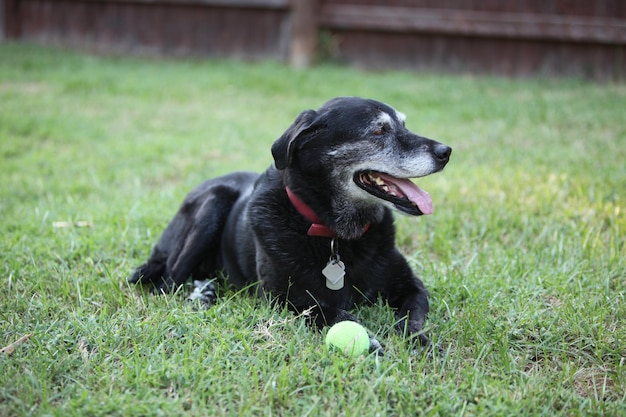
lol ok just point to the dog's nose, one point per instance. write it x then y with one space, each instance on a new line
442 152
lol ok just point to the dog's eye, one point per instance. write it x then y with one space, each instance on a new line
382 128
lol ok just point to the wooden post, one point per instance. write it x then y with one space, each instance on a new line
303 33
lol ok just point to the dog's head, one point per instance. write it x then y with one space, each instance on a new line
361 151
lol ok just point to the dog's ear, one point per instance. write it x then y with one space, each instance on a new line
300 131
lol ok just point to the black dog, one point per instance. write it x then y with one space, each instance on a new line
316 229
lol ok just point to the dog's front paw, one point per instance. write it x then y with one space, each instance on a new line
414 333
376 347
203 294
421 345
164 285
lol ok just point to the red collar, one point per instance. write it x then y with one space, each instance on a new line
317 228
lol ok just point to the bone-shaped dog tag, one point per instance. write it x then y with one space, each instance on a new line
334 272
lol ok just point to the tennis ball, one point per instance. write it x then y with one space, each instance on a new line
348 337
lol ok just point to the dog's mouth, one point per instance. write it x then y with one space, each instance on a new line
401 192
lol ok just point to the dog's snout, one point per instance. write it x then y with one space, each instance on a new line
442 152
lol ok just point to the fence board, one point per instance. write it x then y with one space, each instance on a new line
157 27
474 23
261 4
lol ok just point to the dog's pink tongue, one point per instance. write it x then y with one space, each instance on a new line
421 198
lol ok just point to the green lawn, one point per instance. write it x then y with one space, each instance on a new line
524 255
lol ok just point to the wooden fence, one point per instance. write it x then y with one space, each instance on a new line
520 38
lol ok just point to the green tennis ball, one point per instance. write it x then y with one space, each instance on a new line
348 337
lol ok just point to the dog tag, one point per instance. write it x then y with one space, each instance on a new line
334 272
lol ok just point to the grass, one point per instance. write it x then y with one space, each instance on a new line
524 255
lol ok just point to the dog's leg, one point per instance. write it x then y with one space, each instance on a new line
408 296
151 270
200 242
190 240
411 317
